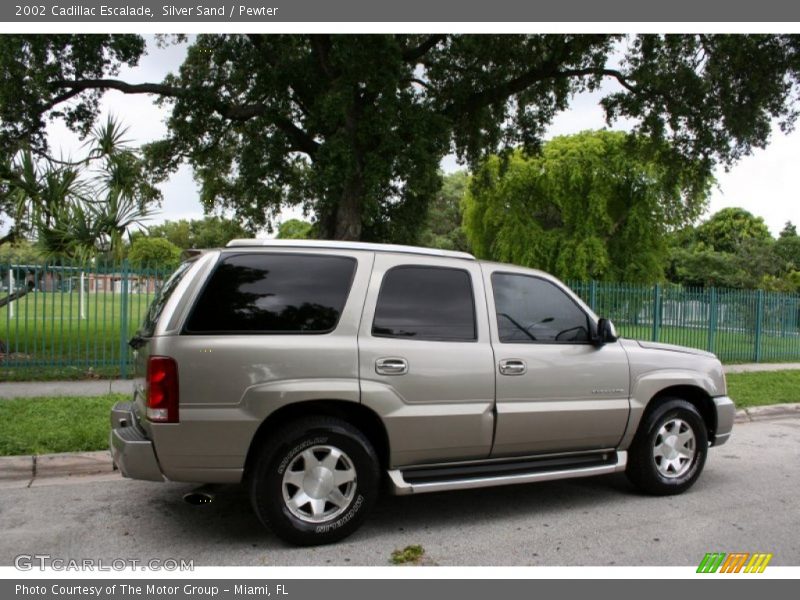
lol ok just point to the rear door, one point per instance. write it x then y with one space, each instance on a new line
426 363
556 391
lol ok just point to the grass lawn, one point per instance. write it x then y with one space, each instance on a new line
767 387
48 425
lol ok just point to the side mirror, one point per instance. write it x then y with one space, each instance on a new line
606 332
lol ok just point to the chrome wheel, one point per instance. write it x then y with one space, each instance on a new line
675 448
319 484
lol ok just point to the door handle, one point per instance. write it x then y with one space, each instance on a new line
513 366
391 366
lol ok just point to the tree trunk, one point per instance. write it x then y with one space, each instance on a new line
347 222
13 296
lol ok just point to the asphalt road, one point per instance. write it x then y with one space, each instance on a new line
747 500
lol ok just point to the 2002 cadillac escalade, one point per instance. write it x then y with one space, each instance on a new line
312 371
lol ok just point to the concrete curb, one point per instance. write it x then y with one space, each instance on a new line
75 464
68 464
768 412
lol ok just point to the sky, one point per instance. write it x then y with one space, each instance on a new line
767 183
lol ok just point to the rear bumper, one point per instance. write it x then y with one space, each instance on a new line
131 450
726 411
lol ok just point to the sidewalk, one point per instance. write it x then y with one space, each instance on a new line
89 387
100 387
754 367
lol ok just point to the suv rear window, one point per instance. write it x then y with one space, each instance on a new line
274 293
426 303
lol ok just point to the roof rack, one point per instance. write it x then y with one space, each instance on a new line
263 243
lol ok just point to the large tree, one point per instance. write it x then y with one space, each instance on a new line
352 128
595 205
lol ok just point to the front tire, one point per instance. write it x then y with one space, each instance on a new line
669 450
315 481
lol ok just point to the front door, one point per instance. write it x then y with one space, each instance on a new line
556 391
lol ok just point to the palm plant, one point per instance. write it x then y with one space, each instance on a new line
76 209
122 190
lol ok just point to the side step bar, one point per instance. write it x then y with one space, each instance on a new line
417 481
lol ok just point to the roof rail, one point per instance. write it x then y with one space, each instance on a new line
263 243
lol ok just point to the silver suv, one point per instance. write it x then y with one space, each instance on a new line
312 371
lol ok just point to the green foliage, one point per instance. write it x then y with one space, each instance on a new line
731 228
787 247
35 71
295 229
734 249
596 205
209 232
154 253
443 227
78 209
701 267
352 128
21 252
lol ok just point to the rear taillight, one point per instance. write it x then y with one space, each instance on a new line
162 389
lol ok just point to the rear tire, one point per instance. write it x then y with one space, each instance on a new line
315 481
669 450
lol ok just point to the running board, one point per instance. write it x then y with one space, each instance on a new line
420 481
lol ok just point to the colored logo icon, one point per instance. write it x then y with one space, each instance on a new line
734 562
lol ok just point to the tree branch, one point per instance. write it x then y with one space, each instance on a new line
413 55
419 82
549 70
300 139
75 86
618 75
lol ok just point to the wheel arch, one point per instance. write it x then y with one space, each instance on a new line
358 415
694 395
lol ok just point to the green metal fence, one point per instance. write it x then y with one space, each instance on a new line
737 325
77 319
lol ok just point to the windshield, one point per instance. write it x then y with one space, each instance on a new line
162 295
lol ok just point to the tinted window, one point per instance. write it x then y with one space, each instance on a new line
426 303
530 309
274 293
